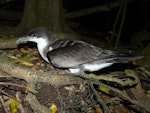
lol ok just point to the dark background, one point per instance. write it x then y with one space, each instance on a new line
97 25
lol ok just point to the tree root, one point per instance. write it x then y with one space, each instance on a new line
32 77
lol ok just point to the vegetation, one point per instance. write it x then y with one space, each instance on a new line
27 87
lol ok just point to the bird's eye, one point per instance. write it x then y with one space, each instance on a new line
34 35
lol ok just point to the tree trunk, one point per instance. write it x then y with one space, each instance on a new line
51 15
47 13
30 16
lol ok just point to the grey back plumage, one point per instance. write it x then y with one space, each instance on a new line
68 54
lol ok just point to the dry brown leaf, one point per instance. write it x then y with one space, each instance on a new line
27 64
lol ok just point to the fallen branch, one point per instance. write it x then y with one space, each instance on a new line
105 7
130 80
99 99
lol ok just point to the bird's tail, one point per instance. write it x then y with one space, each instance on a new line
117 58
125 58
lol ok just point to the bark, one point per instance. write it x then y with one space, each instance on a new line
29 18
47 13
51 14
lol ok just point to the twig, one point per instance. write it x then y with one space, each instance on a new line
6 94
21 108
60 99
116 21
115 100
3 104
121 25
114 78
91 97
145 71
105 108
13 84
123 96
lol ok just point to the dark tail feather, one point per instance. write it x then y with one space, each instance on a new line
126 58
121 58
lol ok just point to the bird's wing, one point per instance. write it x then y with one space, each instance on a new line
73 53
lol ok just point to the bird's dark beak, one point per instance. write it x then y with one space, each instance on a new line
23 39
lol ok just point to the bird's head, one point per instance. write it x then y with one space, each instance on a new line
42 37
39 35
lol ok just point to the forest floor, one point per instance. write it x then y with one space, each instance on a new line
79 97
82 96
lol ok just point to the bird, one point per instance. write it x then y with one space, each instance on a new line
74 55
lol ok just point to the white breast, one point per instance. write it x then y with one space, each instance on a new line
42 48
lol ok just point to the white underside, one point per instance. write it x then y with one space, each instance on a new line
74 71
89 67
95 67
41 45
